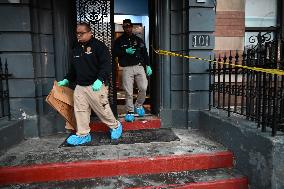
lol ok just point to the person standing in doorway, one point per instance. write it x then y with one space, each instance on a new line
133 58
90 69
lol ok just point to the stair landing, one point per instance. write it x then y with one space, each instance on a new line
42 162
46 149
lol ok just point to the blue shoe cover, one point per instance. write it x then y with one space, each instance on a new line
129 117
140 111
78 140
116 133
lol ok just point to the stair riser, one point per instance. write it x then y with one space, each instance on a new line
128 126
108 168
234 183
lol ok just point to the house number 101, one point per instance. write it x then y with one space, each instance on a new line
200 40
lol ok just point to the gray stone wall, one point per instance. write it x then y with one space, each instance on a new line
11 133
184 82
16 46
258 155
201 22
44 65
27 42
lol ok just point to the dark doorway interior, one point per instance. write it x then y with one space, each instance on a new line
137 11
106 19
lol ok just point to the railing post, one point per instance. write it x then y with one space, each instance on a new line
224 81
264 101
236 87
275 106
210 80
219 83
248 86
7 89
2 90
243 82
281 113
230 83
214 80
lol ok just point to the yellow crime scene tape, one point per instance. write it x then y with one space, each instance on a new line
264 70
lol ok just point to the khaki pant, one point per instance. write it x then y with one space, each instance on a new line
86 99
129 75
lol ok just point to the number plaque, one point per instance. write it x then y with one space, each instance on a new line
200 40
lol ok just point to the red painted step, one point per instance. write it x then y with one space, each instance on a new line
150 122
223 178
232 183
107 168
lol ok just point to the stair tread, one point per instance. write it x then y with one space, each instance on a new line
45 150
163 179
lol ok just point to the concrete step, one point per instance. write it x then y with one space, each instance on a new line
198 179
108 168
41 160
147 122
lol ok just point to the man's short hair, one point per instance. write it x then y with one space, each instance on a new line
87 25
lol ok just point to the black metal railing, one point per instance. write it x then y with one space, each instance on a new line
4 91
258 96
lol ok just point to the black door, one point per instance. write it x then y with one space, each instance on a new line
99 14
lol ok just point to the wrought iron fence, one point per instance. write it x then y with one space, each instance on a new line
258 96
4 91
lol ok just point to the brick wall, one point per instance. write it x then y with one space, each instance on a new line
230 26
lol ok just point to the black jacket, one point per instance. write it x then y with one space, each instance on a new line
123 42
90 62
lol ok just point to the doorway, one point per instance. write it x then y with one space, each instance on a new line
105 18
141 30
138 13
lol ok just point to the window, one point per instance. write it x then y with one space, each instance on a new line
260 16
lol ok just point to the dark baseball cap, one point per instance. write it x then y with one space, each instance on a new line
127 22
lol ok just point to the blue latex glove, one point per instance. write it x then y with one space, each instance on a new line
63 82
130 50
97 85
148 70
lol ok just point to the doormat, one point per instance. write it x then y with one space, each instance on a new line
131 137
